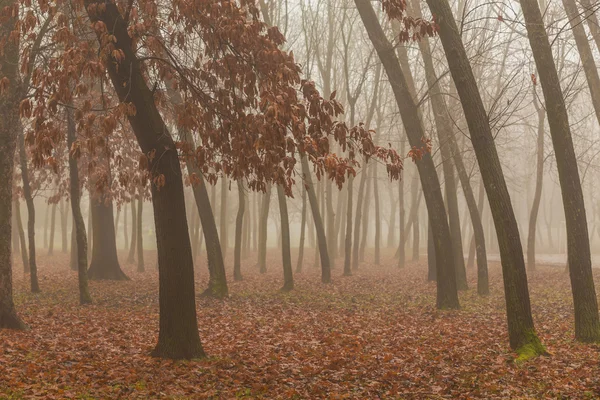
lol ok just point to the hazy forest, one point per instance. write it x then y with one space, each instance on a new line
299 199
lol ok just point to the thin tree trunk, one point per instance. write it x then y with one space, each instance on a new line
78 224
402 245
587 322
358 220
223 218
539 179
320 229
125 231
348 244
140 235
431 271
365 213
24 254
64 223
52 230
239 222
302 233
262 231
288 276
133 245
377 217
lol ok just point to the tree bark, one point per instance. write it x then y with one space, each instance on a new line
8 143
288 276
64 222
178 328
539 180
522 335
320 229
262 230
79 259
239 224
302 233
447 296
133 245
587 322
431 271
52 230
140 234
223 217
348 244
104 264
22 241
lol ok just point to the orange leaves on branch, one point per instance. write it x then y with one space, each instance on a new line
417 153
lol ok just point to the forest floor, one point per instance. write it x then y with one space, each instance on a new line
374 335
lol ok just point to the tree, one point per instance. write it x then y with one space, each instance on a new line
522 335
9 98
446 288
239 221
288 276
587 322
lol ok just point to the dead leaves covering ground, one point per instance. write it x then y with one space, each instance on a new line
373 335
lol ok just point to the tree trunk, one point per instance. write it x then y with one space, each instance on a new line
402 212
288 276
447 296
90 235
24 254
539 180
262 230
64 223
80 259
431 271
140 234
133 245
358 220
125 230
46 223
302 233
520 323
8 144
392 224
320 229
104 264
178 328
587 322
223 217
365 213
377 216
348 244
239 224
592 20
585 54
52 230
445 137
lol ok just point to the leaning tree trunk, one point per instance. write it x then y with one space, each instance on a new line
320 229
522 335
35 285
262 230
587 322
539 180
365 215
447 296
288 276
302 233
358 220
22 241
178 327
449 154
8 145
239 225
80 243
402 212
377 217
139 232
